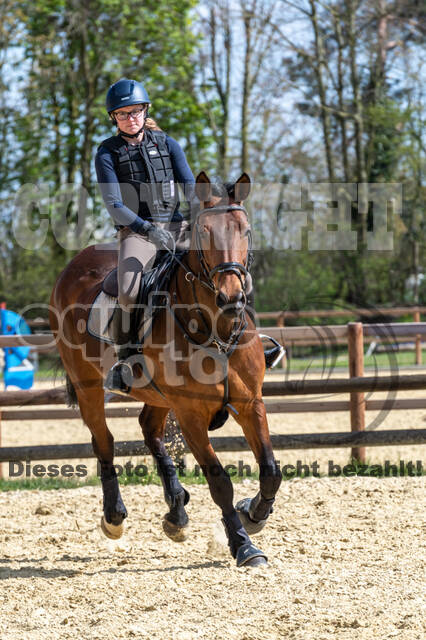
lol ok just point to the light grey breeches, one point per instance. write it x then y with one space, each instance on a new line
137 255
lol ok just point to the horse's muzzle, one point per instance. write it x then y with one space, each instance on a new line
231 307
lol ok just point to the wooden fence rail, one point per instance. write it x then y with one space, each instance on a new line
356 386
235 443
273 388
340 313
317 333
281 316
307 406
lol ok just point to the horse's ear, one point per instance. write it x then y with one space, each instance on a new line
242 188
203 187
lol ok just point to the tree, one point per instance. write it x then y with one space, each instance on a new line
70 53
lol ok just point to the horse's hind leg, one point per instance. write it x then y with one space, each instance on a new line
91 402
153 423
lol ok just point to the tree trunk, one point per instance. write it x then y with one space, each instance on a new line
318 69
340 89
361 172
247 17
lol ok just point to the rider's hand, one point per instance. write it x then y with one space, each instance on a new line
160 237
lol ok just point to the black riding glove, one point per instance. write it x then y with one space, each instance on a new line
160 237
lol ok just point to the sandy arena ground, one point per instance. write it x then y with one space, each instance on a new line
347 556
347 560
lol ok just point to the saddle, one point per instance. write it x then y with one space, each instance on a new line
153 295
110 283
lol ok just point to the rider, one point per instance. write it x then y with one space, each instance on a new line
146 218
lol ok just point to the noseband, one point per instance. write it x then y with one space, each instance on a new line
236 268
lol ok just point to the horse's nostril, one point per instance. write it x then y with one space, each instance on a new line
230 306
222 299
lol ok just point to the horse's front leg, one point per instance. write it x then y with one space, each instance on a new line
91 403
195 430
255 511
153 422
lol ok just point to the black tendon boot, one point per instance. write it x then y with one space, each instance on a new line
120 377
275 353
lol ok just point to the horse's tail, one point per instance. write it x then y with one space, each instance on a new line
70 393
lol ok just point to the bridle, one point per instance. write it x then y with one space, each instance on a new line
205 278
237 268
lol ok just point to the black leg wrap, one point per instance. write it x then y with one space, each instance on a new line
260 508
171 485
177 514
270 479
235 532
114 509
255 512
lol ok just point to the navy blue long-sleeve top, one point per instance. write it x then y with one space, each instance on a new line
110 184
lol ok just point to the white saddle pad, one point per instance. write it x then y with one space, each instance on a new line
100 318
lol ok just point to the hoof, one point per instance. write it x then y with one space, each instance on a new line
250 556
175 533
111 531
242 507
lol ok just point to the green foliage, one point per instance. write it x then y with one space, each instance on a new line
72 53
60 56
296 280
387 122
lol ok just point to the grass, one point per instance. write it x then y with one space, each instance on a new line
329 361
150 477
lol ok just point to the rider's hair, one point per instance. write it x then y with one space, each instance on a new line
151 124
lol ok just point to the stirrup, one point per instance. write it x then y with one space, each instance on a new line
119 378
273 355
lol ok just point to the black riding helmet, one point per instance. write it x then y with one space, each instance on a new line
125 93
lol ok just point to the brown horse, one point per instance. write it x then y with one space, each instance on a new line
217 360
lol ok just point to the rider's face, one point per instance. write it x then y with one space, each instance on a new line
132 123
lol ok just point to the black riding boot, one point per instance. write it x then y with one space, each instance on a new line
275 353
120 377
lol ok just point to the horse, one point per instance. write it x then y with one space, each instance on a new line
221 368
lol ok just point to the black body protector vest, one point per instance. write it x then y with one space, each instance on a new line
146 176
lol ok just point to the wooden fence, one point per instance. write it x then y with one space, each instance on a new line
356 386
282 316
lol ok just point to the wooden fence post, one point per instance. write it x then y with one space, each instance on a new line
416 318
356 370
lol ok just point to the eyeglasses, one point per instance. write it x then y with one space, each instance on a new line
125 115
